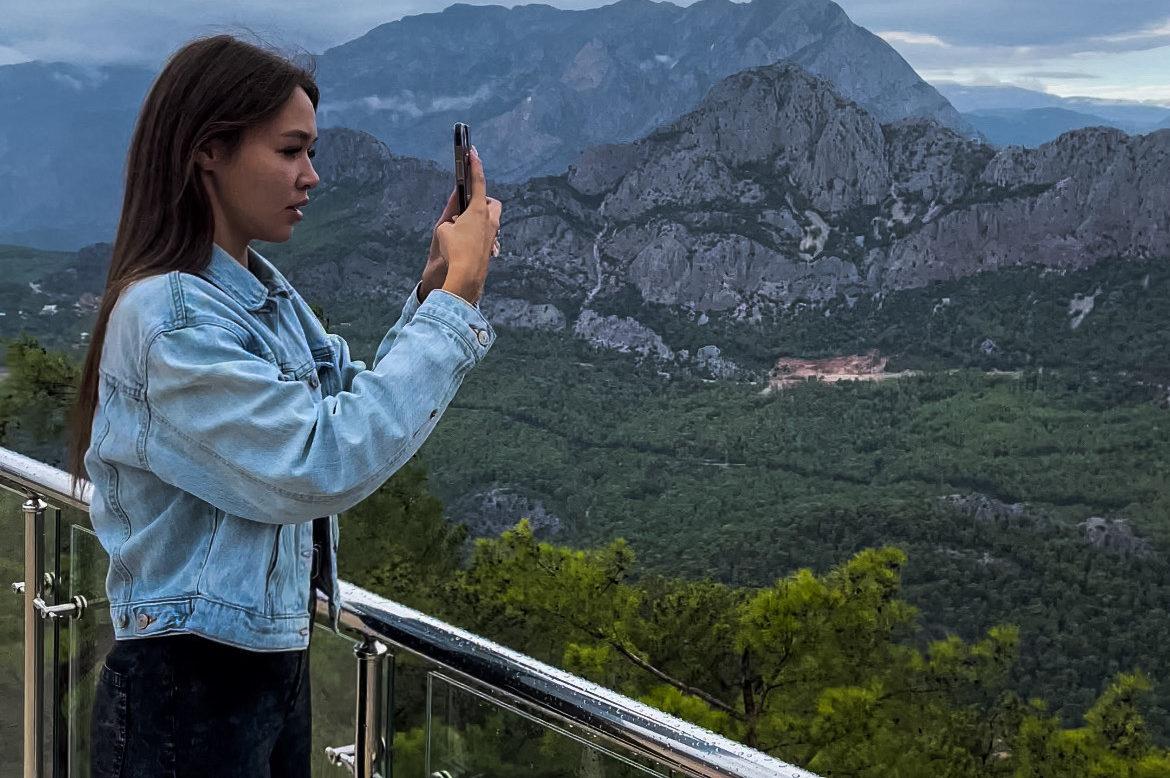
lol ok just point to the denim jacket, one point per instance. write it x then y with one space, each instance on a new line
230 431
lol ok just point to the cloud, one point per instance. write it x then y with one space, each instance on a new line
405 103
1159 33
913 38
927 52
1131 23
11 56
1063 75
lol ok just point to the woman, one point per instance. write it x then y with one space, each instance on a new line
223 429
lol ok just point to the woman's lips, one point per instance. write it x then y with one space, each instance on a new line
296 212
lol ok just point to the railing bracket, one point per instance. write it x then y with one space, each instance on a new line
67 610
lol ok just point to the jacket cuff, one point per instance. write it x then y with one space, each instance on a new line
412 302
465 319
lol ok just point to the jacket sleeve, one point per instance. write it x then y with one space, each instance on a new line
347 367
226 426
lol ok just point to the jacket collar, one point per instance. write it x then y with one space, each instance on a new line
250 286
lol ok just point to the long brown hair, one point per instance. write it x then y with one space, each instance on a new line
212 88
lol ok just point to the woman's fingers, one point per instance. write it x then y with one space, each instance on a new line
478 184
452 208
495 208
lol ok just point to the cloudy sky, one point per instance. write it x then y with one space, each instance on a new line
1096 48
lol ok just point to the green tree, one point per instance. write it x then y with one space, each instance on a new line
35 400
812 669
1112 744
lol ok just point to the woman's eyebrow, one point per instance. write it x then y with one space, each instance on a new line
301 134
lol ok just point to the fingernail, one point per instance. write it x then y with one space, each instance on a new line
474 150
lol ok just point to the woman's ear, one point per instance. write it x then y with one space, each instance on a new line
210 155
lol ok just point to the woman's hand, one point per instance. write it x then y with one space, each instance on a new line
468 240
435 272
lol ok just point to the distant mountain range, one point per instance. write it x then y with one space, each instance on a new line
1008 115
538 85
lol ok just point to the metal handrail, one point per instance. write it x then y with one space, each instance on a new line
683 746
509 675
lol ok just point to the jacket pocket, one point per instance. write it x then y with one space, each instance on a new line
108 724
273 563
216 519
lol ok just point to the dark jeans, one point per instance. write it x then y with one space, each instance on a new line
179 706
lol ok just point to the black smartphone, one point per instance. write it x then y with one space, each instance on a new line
463 164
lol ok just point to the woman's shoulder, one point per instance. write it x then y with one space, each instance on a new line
164 303
144 306
171 301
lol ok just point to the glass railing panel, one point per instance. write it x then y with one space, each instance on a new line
11 633
90 638
57 527
471 734
332 678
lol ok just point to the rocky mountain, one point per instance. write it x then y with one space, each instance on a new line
776 193
539 84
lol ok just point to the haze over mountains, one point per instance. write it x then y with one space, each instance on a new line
1012 115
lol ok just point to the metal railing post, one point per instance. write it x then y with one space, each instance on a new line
34 638
367 753
369 745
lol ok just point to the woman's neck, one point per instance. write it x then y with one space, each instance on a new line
236 249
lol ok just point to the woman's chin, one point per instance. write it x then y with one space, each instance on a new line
278 235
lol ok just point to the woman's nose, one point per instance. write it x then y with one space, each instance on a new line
309 177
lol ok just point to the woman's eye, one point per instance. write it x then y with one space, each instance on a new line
312 153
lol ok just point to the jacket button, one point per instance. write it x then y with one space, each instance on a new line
123 621
483 337
144 620
313 380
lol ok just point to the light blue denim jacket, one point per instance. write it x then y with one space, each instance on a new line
228 421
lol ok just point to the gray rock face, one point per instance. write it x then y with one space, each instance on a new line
986 509
1116 536
620 334
491 512
711 360
776 191
1089 195
511 312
